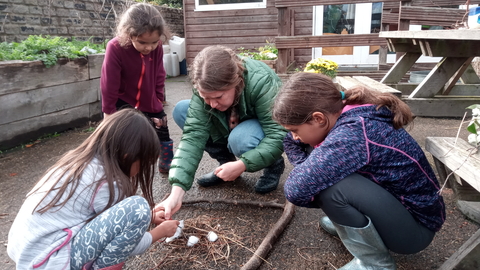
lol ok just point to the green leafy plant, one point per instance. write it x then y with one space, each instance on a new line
474 125
48 49
267 52
169 3
89 130
321 65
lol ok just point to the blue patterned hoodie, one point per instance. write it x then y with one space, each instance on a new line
364 141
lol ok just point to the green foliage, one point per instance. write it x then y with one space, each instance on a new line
268 52
474 125
169 3
89 130
47 49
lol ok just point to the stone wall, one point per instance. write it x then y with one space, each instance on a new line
81 19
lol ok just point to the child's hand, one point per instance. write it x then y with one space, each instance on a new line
165 229
169 227
159 217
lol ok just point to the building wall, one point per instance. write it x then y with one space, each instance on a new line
247 28
81 19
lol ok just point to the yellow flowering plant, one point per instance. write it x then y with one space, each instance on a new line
321 65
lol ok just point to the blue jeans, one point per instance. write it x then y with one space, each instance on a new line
109 239
244 137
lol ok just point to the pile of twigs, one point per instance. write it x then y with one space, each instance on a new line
204 254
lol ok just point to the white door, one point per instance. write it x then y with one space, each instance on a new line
348 19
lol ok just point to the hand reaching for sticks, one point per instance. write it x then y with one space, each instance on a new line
158 123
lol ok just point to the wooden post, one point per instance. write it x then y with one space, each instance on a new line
383 51
291 55
283 30
403 25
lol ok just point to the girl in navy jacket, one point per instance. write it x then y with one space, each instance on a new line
369 176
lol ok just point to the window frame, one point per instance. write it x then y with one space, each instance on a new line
252 5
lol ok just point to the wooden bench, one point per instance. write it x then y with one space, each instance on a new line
458 162
347 82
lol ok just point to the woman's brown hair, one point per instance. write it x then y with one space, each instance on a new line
305 93
138 19
217 68
120 140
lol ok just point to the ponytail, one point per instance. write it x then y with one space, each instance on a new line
305 93
402 115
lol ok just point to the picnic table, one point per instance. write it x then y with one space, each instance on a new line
458 162
438 94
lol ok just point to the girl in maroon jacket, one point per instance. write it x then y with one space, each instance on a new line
133 73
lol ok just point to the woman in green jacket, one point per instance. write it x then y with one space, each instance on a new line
228 117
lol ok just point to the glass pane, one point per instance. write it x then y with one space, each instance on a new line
213 2
338 20
376 24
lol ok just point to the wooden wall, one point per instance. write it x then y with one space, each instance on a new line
37 100
248 28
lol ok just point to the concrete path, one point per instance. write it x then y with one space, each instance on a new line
302 246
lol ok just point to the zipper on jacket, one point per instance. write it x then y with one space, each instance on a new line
140 81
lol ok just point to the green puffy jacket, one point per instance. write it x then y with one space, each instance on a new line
261 87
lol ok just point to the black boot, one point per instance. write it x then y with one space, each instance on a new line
271 176
221 153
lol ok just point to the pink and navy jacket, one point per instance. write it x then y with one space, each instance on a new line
364 141
132 77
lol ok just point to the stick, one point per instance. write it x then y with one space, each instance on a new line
268 242
236 202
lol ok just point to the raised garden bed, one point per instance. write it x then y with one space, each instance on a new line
37 100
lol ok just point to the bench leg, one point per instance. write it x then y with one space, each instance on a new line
467 256
442 172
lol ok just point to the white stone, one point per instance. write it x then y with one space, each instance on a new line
192 240
212 236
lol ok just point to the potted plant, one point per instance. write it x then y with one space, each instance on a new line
322 65
267 54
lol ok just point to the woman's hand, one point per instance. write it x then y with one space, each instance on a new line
170 205
230 170
165 229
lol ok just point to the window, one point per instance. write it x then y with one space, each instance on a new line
205 5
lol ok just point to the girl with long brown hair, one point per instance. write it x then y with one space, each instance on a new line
228 116
133 74
367 174
84 213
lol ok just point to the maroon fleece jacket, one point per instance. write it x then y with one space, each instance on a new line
132 77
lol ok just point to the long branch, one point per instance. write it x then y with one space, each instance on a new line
268 242
235 202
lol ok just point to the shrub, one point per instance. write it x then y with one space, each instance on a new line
267 52
48 49
474 125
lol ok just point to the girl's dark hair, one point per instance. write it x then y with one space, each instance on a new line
120 140
305 93
138 19
217 68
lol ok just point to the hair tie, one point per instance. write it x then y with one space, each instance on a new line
343 95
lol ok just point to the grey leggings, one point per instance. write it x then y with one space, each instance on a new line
350 200
110 238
